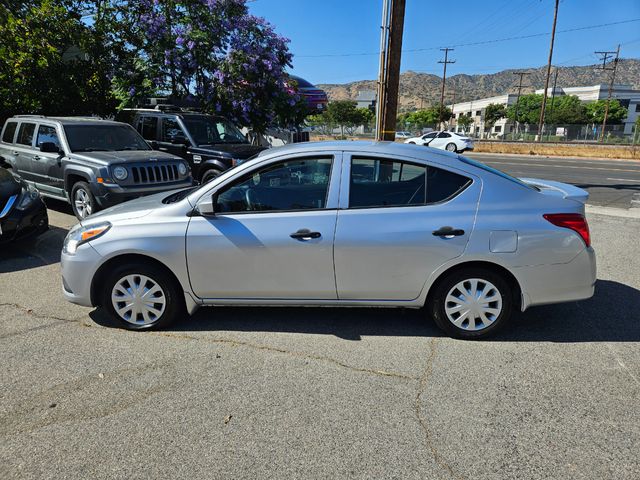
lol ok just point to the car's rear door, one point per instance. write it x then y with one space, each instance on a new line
385 246
23 151
272 237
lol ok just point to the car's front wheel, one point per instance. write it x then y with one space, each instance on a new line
471 303
451 147
82 200
142 297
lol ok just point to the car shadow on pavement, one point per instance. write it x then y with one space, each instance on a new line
610 316
33 252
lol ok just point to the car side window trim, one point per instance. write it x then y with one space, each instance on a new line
17 142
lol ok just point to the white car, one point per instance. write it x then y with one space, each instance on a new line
451 141
401 135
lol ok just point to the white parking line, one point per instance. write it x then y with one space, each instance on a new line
562 166
624 180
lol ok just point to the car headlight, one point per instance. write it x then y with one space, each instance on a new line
27 197
120 173
82 234
182 169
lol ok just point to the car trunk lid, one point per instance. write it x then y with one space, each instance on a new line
558 189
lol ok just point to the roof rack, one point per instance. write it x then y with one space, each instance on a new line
29 116
166 107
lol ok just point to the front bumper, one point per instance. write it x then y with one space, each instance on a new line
108 195
77 274
563 282
21 224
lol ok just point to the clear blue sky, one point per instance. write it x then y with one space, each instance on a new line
338 27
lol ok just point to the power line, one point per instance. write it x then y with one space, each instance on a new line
520 86
444 78
546 81
484 42
605 56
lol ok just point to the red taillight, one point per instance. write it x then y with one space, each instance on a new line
574 221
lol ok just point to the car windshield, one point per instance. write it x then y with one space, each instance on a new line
212 130
495 171
106 138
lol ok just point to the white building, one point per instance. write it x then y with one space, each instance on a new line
625 94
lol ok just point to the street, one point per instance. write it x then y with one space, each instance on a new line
610 183
323 392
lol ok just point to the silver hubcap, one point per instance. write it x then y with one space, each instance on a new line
473 304
82 203
138 299
451 147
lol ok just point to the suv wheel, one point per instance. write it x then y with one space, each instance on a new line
210 175
451 147
471 303
82 200
142 297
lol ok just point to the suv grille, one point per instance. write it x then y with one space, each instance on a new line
155 174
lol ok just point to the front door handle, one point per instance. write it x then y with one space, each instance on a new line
305 234
448 232
15 153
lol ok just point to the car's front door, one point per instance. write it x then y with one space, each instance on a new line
272 234
385 245
48 165
441 140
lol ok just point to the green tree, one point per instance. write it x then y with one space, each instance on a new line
492 113
528 108
565 110
420 119
342 113
464 121
595 112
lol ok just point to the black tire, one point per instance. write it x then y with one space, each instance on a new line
172 293
80 212
209 175
451 147
437 302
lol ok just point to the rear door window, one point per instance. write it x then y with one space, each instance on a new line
9 132
393 183
25 134
148 127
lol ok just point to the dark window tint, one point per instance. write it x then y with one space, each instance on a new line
386 183
292 185
25 135
9 132
47 134
637 107
148 128
106 137
431 135
444 135
172 132
478 113
498 128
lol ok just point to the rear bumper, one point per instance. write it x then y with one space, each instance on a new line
564 282
108 195
20 224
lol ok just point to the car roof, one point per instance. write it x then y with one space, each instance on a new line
173 113
67 120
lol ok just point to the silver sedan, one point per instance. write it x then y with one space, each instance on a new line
340 224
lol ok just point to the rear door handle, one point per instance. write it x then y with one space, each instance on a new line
448 232
305 234
16 153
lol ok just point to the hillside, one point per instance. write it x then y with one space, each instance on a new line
418 89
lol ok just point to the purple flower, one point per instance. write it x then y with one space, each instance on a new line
132 91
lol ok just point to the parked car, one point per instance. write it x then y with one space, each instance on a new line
339 223
450 141
316 98
210 143
22 211
400 135
90 163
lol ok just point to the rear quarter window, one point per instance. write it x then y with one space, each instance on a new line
9 132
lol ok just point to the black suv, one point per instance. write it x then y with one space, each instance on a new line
211 144
88 162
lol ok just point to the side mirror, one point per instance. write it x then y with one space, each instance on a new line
49 147
153 144
208 208
179 140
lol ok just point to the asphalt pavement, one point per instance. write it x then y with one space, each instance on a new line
305 393
610 183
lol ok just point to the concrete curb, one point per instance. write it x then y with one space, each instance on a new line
613 212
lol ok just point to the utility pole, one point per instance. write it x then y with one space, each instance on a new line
522 74
553 90
444 78
389 74
605 56
546 82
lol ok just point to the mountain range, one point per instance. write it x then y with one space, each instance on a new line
418 90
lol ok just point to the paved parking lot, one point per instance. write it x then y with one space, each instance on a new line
318 393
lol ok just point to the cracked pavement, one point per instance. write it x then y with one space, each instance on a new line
318 392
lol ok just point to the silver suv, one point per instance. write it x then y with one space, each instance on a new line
88 162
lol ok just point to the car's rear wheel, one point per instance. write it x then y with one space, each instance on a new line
471 303
82 200
210 175
142 297
451 147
